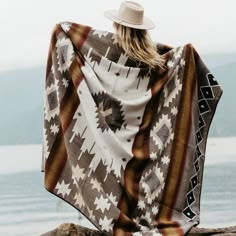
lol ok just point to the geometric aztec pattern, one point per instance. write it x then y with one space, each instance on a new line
112 128
111 110
206 95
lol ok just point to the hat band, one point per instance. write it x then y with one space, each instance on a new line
130 22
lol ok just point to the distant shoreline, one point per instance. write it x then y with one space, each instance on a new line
21 158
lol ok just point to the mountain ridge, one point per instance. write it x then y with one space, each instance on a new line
21 102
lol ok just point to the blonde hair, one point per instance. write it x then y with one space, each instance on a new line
138 46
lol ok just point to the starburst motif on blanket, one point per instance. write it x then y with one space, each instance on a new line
174 110
63 188
162 132
65 82
112 198
51 102
65 54
78 173
109 112
152 184
153 156
165 160
106 223
96 185
170 64
100 33
54 129
141 204
79 201
154 210
172 87
65 26
102 204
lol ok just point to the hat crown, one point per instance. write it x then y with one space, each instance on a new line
131 12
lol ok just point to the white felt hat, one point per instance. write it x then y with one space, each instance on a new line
130 14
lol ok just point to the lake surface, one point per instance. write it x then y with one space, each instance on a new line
27 209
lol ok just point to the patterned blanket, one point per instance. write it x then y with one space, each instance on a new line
123 144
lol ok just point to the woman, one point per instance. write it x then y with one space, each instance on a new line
126 127
131 27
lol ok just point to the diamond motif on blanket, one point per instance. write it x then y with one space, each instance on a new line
153 183
211 79
203 106
207 92
51 102
189 213
198 152
199 137
196 165
162 132
201 122
65 54
191 198
194 181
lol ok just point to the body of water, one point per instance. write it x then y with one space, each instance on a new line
27 209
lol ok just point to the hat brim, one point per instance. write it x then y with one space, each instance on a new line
113 15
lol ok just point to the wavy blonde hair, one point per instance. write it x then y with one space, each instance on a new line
139 46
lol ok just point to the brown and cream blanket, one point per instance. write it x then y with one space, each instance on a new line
123 144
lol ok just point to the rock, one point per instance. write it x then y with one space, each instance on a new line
195 231
70 229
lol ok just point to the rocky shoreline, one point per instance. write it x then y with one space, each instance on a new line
70 229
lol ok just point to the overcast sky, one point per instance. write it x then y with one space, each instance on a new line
210 25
